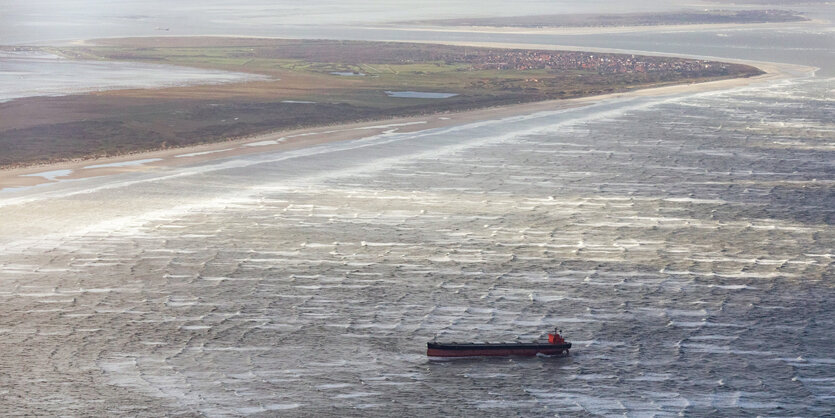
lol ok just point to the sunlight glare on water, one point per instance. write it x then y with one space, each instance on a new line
683 244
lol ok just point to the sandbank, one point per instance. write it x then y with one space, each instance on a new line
591 30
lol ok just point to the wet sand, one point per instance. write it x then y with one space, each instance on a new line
42 74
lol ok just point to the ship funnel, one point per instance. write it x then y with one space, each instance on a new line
555 338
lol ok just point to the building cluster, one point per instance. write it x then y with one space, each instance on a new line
601 63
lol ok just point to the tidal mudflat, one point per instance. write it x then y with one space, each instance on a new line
31 73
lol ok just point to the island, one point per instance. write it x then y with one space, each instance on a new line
310 83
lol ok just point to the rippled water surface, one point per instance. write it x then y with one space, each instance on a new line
684 245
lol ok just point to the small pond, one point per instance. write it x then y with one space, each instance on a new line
419 94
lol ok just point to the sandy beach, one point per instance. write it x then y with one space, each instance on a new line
300 138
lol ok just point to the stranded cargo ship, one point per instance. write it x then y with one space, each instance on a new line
556 345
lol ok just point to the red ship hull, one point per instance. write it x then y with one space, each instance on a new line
481 350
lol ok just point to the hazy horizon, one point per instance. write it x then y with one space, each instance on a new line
42 21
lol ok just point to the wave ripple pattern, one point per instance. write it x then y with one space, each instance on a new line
684 245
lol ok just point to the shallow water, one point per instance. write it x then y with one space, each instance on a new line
50 175
40 20
684 244
27 74
420 94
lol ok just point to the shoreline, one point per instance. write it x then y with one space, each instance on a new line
284 140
